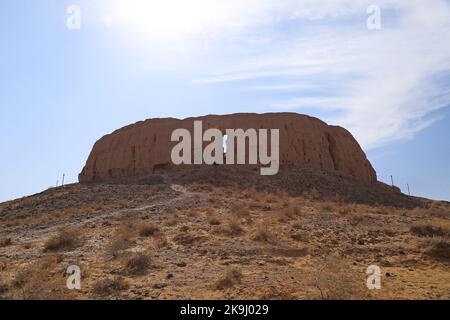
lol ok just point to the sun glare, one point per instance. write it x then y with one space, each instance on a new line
168 18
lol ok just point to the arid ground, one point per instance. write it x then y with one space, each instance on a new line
210 234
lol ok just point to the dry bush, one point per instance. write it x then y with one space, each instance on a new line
66 239
192 213
122 240
335 280
234 227
5 242
37 281
439 248
239 211
137 264
430 230
345 209
161 241
231 278
263 234
214 221
171 221
435 209
288 214
149 230
186 239
355 218
116 247
108 287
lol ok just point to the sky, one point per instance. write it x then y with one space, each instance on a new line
62 88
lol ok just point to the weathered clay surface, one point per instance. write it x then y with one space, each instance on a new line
144 147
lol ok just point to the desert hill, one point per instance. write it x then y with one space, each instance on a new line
222 233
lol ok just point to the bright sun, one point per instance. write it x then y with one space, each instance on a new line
170 18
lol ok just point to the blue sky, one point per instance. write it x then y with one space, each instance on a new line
61 89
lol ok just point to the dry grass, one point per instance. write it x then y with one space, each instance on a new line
186 239
214 221
345 209
116 247
108 287
234 227
137 264
334 280
231 278
65 240
161 241
171 221
239 211
439 248
38 281
149 230
5 242
263 234
121 241
430 230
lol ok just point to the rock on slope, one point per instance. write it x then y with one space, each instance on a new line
144 147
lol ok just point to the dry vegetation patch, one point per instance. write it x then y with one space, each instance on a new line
137 264
65 240
108 287
149 230
430 230
5 242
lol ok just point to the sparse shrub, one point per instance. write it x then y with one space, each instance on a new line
171 221
239 211
5 242
231 278
192 213
334 280
137 264
234 227
65 240
161 241
186 239
355 218
109 287
148 230
429 230
440 249
344 210
184 228
117 246
214 221
263 234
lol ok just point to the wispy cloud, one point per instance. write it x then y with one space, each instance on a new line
386 84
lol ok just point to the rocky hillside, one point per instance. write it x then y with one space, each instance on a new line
224 234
